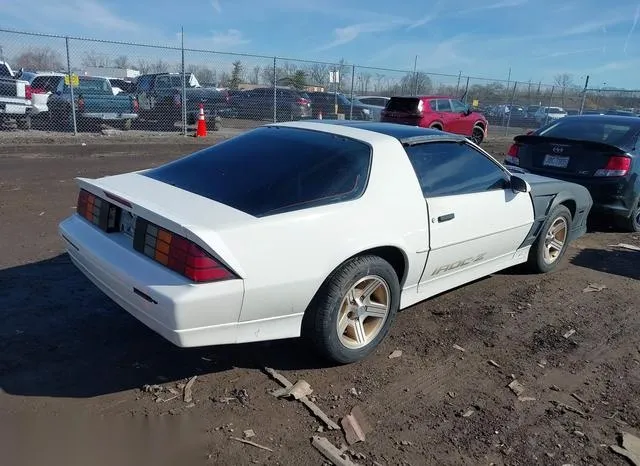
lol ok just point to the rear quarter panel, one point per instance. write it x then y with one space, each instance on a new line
287 257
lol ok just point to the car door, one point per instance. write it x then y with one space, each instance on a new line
461 123
443 109
476 221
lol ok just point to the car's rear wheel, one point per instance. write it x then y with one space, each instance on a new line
551 244
477 135
354 309
436 126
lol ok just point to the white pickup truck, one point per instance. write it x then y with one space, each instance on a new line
15 98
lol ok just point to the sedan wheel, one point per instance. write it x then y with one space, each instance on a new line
353 310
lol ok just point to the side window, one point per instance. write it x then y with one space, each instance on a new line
452 168
433 106
457 106
444 105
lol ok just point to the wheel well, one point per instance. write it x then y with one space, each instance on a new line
393 256
571 205
436 125
480 125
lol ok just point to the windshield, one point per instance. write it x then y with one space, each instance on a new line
92 84
273 170
614 133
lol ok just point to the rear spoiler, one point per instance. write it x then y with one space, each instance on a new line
599 146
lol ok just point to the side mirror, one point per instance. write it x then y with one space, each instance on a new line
518 185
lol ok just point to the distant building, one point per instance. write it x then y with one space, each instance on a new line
111 72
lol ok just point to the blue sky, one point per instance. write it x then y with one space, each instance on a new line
536 38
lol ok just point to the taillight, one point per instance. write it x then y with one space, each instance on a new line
38 90
177 100
136 106
178 253
302 101
27 92
618 165
97 211
80 104
513 155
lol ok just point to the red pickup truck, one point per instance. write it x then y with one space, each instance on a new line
438 112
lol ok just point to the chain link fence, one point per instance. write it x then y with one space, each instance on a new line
79 84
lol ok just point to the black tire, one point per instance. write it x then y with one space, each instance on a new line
631 223
477 135
24 123
125 125
536 262
319 326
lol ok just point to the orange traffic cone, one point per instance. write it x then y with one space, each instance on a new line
201 130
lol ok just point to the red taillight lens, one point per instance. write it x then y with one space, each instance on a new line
97 211
38 90
27 92
178 253
302 101
513 155
618 165
80 104
136 106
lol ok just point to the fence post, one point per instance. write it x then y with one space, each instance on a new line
73 100
584 94
546 117
415 76
275 87
184 91
353 78
513 96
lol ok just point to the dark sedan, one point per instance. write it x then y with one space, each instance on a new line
600 152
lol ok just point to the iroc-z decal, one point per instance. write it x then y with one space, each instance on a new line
457 264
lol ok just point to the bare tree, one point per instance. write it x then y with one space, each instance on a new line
254 76
563 80
202 73
39 58
121 62
95 60
318 74
159 66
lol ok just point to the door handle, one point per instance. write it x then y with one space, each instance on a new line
446 218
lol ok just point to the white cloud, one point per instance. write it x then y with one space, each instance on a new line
349 33
87 13
633 28
558 54
588 27
226 39
216 5
495 6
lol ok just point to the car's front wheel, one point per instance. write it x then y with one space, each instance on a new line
552 242
354 309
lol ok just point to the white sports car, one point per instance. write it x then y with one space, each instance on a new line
315 229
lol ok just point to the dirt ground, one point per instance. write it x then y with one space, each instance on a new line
73 365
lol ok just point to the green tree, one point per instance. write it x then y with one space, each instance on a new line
236 75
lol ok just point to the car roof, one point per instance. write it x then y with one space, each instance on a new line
404 133
623 119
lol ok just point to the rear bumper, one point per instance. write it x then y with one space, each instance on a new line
610 196
184 313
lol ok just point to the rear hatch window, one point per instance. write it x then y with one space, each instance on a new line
403 104
578 147
273 170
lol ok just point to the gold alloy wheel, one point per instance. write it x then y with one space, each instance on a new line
554 240
363 312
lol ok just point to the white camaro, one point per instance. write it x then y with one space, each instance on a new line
320 229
